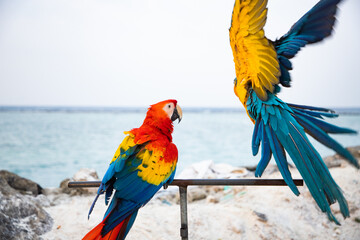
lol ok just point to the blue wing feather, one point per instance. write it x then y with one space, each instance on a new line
131 191
313 27
106 185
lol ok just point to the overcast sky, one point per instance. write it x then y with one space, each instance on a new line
135 53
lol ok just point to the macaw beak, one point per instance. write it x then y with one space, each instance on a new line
177 114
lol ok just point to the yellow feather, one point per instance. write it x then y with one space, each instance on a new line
243 16
116 155
260 92
267 59
156 170
258 20
271 68
265 82
254 56
146 157
258 15
125 145
255 28
268 76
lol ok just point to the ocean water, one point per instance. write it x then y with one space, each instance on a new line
48 145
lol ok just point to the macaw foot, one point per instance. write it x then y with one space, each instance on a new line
165 186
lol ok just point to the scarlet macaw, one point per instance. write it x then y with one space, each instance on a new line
261 66
145 161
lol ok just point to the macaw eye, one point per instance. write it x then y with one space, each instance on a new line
169 106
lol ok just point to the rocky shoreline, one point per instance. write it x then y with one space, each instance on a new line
28 211
22 214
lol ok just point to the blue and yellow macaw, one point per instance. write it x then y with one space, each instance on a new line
145 161
261 67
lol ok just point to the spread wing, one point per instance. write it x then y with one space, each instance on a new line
313 27
254 56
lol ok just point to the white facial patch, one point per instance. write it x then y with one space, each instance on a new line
169 109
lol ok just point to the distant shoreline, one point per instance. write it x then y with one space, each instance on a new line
100 109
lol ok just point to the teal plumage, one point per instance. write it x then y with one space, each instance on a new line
285 133
262 68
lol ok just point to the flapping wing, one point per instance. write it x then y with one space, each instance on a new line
313 27
254 56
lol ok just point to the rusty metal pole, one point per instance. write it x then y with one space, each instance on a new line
183 212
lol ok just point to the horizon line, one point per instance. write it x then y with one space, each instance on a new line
240 109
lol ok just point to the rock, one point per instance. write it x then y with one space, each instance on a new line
21 214
333 161
338 161
261 216
21 184
83 174
5 188
22 218
169 196
355 151
196 194
198 170
251 168
209 170
212 199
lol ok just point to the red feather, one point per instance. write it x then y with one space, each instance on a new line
117 232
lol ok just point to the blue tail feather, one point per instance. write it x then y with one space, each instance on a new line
289 135
280 159
316 132
304 161
312 108
256 138
265 153
131 222
326 127
117 212
329 190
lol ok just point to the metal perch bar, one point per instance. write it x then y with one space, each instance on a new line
184 183
206 182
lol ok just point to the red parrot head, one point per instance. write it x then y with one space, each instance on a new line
162 114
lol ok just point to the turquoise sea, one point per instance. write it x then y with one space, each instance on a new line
49 144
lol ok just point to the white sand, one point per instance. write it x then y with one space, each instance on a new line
233 217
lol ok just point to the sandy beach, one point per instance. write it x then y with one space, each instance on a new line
249 212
